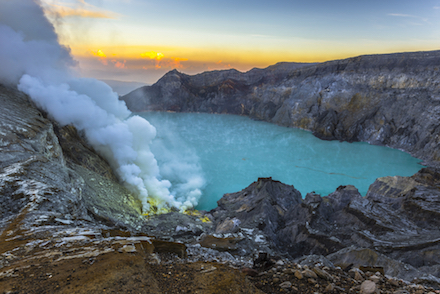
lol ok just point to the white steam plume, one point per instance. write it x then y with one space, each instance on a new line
32 58
179 163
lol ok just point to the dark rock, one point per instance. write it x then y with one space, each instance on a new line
386 223
169 247
228 226
77 151
322 274
176 226
260 209
220 243
373 269
313 260
263 261
368 258
309 274
249 272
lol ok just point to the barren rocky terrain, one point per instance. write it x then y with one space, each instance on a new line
68 226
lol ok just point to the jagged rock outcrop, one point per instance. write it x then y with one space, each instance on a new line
391 99
395 226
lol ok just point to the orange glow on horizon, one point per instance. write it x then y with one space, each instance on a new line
153 55
137 60
196 60
119 64
102 57
161 61
99 53
221 58
81 9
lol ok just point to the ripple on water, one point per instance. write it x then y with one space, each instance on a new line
230 152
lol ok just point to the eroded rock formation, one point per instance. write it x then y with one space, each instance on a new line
395 226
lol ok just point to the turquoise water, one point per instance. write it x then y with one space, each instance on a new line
230 152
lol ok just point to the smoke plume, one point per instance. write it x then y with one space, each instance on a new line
32 58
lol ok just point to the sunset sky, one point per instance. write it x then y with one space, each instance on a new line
140 40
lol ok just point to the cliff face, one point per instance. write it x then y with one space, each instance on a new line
391 100
51 177
396 226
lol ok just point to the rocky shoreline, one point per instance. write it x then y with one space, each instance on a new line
68 226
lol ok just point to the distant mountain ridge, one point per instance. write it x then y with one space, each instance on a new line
388 99
149 97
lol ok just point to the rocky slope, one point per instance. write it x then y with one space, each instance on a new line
391 100
68 226
395 226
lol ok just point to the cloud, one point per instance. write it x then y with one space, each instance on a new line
153 55
402 15
145 70
219 65
161 61
410 16
101 55
102 58
119 64
79 9
175 62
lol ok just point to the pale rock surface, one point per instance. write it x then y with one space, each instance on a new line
368 287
